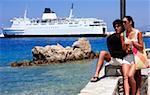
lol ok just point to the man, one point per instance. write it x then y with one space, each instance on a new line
115 50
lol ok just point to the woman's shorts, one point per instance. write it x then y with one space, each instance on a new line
129 59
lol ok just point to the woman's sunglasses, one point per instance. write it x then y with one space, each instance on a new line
124 22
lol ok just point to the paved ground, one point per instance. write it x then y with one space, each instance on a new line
105 86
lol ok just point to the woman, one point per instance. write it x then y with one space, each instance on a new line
130 38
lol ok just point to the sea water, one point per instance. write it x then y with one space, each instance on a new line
54 79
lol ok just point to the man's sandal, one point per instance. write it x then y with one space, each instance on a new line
95 79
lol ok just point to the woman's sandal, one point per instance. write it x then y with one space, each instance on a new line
95 79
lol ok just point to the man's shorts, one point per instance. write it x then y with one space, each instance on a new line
115 61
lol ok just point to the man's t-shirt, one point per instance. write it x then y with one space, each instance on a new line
115 47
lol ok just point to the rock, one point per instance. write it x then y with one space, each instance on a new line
83 44
81 49
20 64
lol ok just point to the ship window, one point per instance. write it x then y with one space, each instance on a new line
91 25
44 21
94 25
37 21
96 22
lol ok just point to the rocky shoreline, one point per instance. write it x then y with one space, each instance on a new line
50 54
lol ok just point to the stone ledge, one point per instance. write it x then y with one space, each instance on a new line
111 70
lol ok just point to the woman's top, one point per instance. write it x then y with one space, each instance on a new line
128 40
134 38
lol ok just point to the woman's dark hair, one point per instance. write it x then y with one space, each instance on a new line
130 19
119 22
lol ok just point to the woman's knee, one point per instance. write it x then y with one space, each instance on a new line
125 77
131 76
132 72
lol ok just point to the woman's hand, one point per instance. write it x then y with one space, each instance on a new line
128 48
128 41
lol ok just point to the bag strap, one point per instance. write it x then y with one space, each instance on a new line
144 51
124 35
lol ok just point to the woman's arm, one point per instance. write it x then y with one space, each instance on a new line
139 45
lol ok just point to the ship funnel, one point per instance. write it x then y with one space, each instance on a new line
71 11
48 14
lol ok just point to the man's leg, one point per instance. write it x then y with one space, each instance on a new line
104 55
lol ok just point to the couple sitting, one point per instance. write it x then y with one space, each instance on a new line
120 53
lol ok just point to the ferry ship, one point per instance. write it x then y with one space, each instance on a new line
51 25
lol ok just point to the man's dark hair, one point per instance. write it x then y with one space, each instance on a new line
119 22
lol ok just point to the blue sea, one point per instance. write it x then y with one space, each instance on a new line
54 79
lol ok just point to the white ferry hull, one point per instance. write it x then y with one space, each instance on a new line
55 31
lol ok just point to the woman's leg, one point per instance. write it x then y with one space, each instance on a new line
125 70
131 78
104 55
138 80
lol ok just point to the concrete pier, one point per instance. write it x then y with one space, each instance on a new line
110 85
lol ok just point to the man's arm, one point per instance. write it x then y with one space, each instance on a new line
122 42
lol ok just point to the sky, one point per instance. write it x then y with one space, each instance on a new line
107 10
